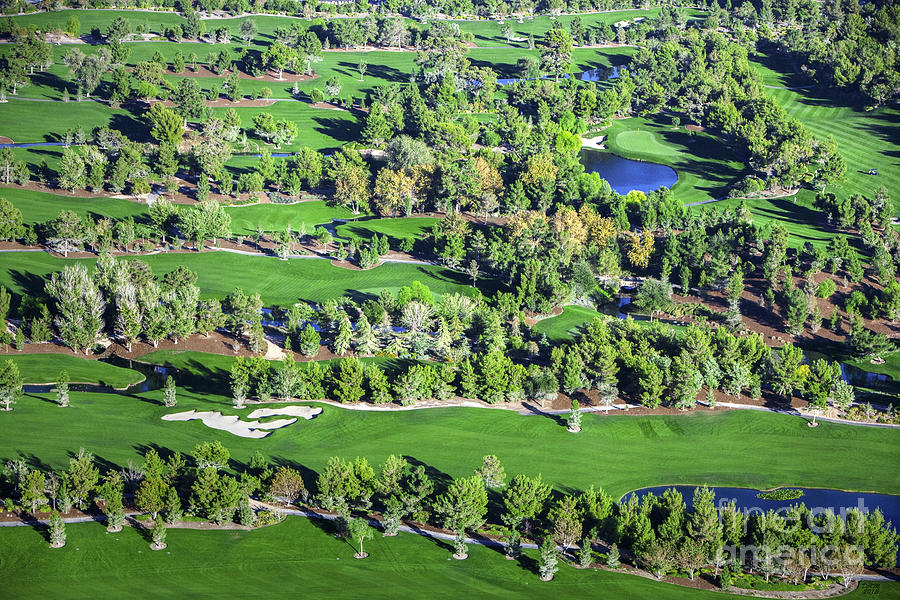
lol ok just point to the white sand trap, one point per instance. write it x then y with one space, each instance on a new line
276 424
230 423
304 412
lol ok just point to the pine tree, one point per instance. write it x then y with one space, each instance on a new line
169 399
62 388
573 372
309 341
343 337
378 386
468 383
585 554
158 535
366 340
549 560
348 381
612 557
57 531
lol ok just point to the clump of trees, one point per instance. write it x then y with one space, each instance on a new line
659 533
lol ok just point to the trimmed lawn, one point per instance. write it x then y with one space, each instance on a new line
278 282
803 222
619 452
866 139
39 207
706 167
568 325
44 368
275 218
396 229
298 554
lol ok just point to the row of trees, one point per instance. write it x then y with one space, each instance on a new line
659 533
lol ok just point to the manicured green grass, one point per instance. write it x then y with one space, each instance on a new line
395 229
278 282
738 448
486 32
803 222
245 220
568 325
44 368
25 121
705 165
298 555
39 207
890 367
866 139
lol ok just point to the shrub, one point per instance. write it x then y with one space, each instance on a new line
316 95
826 288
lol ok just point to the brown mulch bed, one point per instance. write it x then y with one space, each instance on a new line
325 106
286 77
346 264
771 323
244 102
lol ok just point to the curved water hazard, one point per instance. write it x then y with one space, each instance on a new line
815 499
154 378
625 175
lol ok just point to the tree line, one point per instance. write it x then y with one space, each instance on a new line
658 533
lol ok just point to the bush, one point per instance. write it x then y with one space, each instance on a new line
826 288
490 139
316 95
782 494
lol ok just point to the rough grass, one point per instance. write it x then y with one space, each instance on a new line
566 326
39 207
44 368
298 554
760 450
395 229
278 282
245 220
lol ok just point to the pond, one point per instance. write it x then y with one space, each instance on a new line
595 75
862 378
624 174
815 499
154 378
32 144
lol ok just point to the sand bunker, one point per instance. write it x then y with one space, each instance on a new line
249 429
305 412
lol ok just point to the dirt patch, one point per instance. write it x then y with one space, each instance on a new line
325 106
243 102
286 77
692 127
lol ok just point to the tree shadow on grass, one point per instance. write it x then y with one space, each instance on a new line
442 544
32 284
341 130
527 563
441 479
